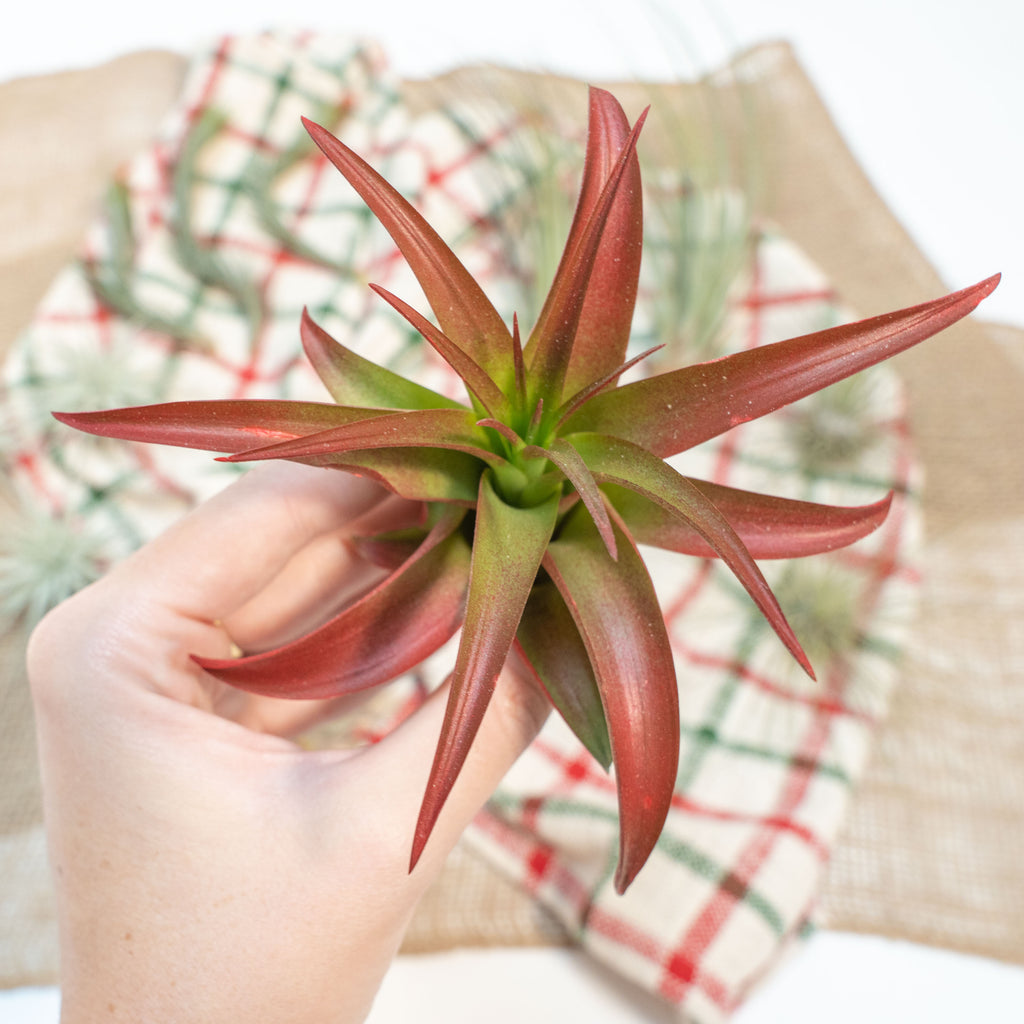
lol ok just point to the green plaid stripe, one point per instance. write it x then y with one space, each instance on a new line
222 232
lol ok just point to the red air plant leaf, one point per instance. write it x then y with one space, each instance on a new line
622 628
230 425
553 342
553 649
563 470
419 428
605 316
386 632
477 382
674 411
619 462
508 546
769 527
458 302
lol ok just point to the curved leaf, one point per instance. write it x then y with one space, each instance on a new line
463 311
612 460
508 545
769 527
606 314
420 474
571 404
554 337
455 429
552 648
353 380
619 620
228 425
674 411
386 632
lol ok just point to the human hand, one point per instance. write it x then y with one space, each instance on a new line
207 868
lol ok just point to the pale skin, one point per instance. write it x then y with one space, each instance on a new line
208 869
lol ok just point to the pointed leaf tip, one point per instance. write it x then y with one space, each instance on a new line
623 630
988 286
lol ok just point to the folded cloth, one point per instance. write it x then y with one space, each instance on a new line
191 286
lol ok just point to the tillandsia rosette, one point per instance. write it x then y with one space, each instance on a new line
536 490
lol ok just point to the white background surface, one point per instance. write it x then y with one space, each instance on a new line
837 979
930 95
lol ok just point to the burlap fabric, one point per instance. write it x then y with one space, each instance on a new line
919 881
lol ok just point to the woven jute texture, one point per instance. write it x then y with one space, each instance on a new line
930 848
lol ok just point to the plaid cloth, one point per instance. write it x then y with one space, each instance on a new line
191 285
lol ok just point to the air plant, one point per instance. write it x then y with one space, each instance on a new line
536 490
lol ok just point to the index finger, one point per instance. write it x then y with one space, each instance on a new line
228 549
